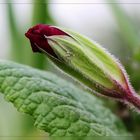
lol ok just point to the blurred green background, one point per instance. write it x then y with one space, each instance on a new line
114 24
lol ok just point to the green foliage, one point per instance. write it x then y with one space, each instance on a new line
40 14
57 106
128 26
130 35
127 31
14 34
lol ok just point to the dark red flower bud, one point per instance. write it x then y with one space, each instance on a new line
37 38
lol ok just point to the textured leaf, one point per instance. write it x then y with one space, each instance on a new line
57 106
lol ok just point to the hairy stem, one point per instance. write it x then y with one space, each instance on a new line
134 99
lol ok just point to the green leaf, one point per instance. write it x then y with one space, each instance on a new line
57 106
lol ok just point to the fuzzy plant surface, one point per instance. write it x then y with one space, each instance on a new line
85 61
57 106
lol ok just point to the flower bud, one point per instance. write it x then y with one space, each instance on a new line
81 58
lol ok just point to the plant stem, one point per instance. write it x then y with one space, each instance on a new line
15 35
41 14
134 99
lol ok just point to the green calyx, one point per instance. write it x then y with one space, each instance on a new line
87 61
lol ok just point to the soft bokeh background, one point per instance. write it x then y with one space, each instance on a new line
115 24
